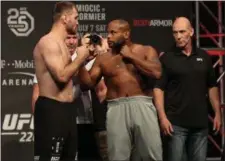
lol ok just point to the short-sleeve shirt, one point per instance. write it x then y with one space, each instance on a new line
185 81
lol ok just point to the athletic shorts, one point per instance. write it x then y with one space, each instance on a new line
55 130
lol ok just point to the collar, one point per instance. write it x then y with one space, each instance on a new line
178 51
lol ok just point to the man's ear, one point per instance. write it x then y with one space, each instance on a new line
64 18
192 32
127 34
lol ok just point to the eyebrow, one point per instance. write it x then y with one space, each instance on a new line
183 30
71 36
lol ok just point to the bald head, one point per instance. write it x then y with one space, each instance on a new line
182 32
182 21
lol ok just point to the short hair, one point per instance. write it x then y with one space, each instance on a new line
60 8
123 24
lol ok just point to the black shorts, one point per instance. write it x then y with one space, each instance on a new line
99 112
55 130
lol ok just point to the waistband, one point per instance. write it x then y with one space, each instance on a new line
130 99
51 100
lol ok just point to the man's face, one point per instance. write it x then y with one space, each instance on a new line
182 34
115 35
72 22
71 42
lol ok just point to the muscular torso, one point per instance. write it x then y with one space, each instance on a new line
49 86
122 78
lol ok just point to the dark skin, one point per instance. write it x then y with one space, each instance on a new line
122 65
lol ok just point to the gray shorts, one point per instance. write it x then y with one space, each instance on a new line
132 130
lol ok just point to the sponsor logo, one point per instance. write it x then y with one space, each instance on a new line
55 158
20 21
199 59
21 125
27 79
18 78
152 23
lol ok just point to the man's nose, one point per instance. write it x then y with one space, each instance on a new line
108 36
179 35
71 41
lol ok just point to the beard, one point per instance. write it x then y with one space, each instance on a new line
70 30
71 50
118 45
71 47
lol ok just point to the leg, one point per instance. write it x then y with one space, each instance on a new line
42 138
70 152
174 146
197 145
118 134
50 130
101 138
147 133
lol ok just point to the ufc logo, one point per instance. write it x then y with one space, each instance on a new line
17 121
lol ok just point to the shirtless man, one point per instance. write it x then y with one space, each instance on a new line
132 124
55 115
71 42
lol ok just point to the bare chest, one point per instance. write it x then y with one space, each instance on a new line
116 65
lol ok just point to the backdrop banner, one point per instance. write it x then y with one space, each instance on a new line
23 23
